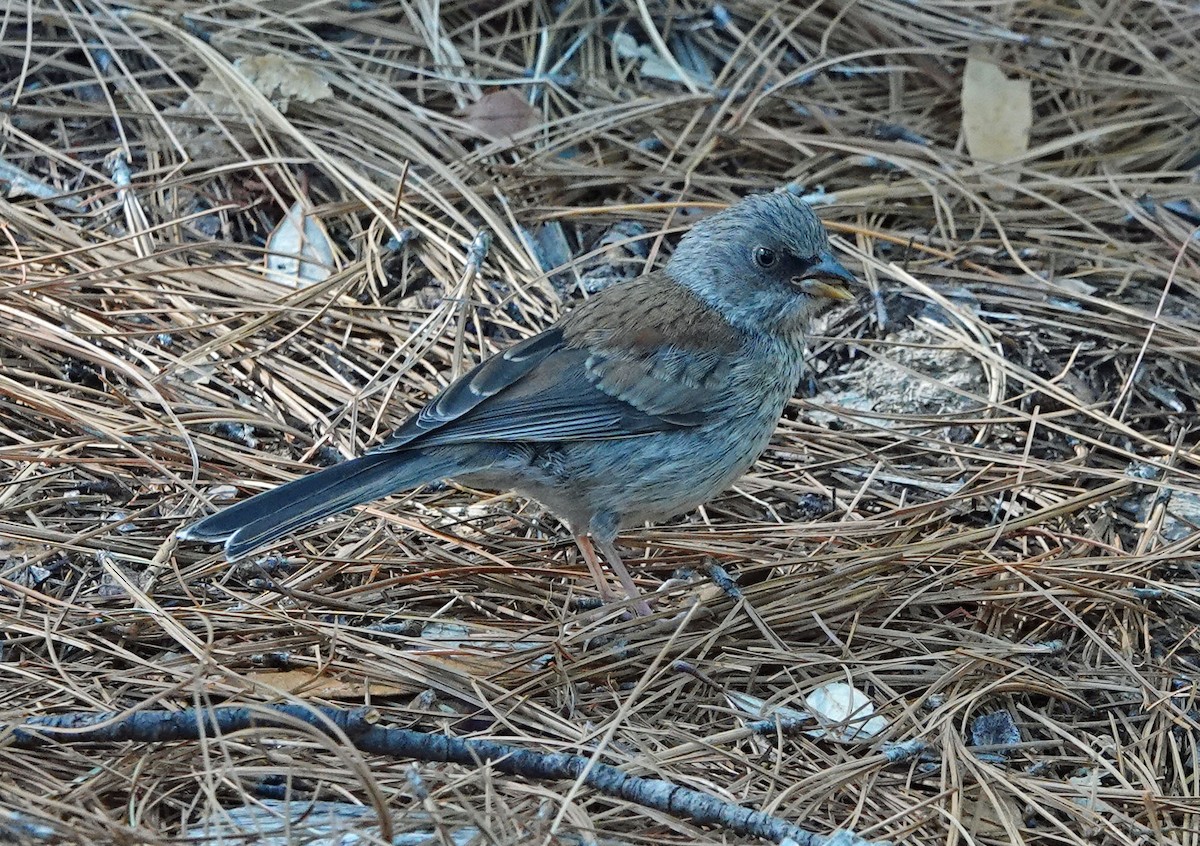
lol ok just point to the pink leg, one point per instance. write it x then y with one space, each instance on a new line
618 566
593 563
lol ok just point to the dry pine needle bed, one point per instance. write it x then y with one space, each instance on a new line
239 240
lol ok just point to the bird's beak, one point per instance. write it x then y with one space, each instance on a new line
827 278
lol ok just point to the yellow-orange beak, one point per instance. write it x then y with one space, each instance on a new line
827 278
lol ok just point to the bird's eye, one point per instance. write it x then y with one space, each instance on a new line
765 258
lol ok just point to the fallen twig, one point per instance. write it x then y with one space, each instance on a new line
358 725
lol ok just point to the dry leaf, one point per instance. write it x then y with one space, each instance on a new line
299 251
688 67
844 713
501 114
283 80
990 815
280 80
997 115
847 711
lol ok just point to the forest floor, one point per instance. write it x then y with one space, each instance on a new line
981 512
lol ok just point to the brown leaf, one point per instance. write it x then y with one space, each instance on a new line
283 80
992 815
501 114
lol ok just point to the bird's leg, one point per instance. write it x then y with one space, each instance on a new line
618 566
593 563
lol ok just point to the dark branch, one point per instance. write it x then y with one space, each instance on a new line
357 724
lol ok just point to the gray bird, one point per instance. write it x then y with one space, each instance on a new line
642 403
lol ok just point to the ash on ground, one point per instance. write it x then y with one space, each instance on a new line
911 374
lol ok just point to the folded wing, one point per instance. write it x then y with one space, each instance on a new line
579 381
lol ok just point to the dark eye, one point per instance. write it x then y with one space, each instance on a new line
765 258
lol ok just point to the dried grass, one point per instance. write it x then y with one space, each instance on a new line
1026 546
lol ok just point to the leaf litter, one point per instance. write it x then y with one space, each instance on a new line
928 554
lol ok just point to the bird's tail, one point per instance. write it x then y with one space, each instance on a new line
270 515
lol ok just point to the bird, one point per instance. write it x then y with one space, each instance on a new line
640 404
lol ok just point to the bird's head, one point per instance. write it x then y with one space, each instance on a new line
764 262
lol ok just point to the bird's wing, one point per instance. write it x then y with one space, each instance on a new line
630 361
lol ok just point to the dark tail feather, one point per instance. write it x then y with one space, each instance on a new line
270 515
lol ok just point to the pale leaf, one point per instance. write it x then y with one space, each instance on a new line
997 116
842 713
299 251
848 713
